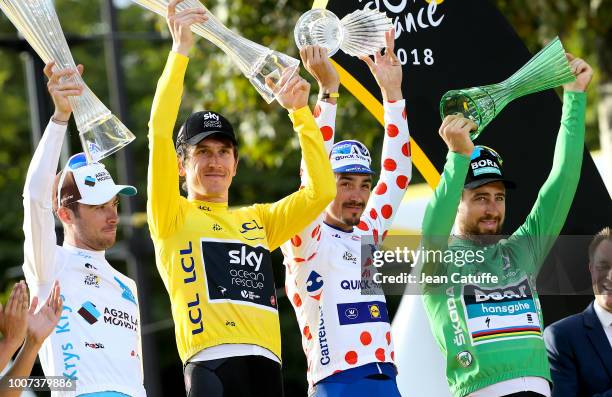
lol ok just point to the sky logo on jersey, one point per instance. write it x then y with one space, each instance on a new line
89 312
362 312
127 292
238 267
314 285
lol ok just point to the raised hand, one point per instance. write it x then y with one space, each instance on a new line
14 316
455 131
582 71
180 26
295 93
42 323
387 70
317 63
60 87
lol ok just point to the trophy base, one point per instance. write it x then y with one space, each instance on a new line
272 73
104 136
319 27
464 102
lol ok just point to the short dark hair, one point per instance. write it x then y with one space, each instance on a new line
73 206
183 148
604 234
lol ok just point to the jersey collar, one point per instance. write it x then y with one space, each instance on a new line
207 205
83 252
338 229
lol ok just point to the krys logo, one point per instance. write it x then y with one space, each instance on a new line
314 285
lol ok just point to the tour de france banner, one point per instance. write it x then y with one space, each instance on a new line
444 45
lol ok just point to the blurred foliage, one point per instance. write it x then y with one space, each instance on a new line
585 28
269 161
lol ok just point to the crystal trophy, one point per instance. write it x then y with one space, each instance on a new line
360 33
262 66
549 68
100 132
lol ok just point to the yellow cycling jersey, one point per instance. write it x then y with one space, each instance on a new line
215 261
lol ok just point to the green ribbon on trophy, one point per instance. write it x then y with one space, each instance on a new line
549 68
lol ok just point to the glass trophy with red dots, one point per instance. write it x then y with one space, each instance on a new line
267 70
549 68
100 132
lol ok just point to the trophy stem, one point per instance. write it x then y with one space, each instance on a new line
37 21
219 35
262 66
549 68
256 62
536 74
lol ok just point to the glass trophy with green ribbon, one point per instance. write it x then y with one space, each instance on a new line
549 68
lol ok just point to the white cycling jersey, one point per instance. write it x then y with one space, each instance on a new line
344 319
96 343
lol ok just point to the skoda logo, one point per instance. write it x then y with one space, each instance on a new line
351 313
465 358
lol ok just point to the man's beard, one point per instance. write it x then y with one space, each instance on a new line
352 220
102 243
473 232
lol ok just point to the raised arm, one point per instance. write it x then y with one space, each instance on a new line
396 161
318 64
38 223
295 212
163 179
305 243
442 209
548 215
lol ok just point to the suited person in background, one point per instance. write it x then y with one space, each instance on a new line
580 346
